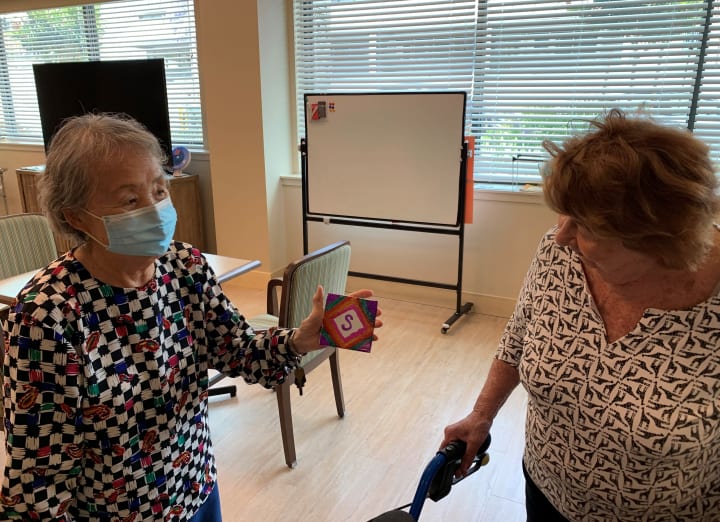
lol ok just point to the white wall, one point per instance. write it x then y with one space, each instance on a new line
230 84
499 245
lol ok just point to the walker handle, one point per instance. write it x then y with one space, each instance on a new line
445 477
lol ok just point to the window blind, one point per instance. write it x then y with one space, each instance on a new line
545 68
130 29
382 45
532 70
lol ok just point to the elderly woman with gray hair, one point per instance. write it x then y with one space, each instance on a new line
616 333
108 348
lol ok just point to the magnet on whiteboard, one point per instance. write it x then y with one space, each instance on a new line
326 220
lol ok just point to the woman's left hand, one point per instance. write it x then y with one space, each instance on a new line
307 336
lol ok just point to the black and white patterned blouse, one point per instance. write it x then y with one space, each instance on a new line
105 390
628 430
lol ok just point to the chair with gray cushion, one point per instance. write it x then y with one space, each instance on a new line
26 243
328 267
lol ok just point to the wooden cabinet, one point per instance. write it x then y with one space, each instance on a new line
185 194
184 190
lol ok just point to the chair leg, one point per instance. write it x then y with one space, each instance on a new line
222 390
286 427
337 383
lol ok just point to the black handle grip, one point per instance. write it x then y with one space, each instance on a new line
456 449
445 477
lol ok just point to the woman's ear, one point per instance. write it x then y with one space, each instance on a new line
75 219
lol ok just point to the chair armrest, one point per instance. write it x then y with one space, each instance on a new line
274 288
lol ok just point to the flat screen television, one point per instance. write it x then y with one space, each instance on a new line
133 87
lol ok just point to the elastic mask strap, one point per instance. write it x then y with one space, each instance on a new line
89 234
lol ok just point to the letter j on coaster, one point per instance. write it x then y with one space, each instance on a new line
348 322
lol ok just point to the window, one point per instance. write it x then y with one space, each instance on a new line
130 29
533 70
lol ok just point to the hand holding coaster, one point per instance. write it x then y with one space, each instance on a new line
348 322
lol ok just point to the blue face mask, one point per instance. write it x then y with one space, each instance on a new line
146 231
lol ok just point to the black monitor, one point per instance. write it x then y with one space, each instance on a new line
133 87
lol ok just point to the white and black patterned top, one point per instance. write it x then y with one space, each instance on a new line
105 390
628 430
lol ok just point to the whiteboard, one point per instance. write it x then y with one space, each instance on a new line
385 156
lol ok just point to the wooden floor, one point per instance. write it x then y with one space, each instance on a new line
399 398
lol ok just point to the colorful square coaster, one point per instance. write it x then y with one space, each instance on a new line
348 322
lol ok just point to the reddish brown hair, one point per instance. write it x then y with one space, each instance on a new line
651 186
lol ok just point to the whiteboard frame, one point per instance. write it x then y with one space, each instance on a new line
372 150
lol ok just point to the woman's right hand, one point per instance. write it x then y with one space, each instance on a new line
473 429
307 336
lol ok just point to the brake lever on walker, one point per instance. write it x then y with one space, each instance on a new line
445 477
